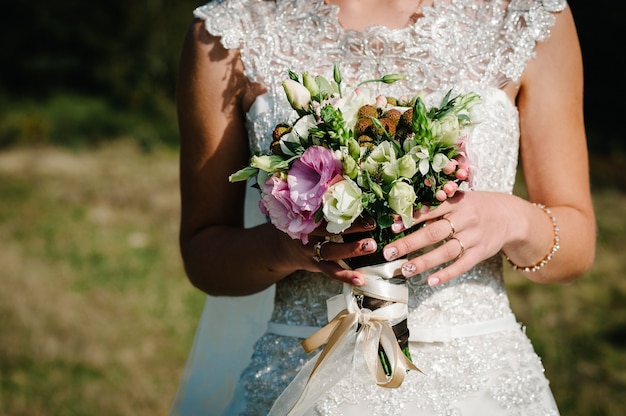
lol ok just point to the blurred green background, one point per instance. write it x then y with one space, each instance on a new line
96 315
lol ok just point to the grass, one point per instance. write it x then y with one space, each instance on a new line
96 316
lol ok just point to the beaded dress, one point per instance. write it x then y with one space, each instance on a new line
476 360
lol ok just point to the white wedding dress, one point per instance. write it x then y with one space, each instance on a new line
475 358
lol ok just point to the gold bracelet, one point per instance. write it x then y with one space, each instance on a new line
554 249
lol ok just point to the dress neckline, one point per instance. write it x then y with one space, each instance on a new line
410 25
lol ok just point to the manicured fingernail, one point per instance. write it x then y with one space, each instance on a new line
357 282
368 246
433 281
368 223
408 269
396 227
390 253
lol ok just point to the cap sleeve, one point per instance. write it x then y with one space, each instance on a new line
527 22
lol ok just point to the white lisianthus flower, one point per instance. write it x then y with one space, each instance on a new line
297 94
401 199
300 129
439 162
349 104
342 205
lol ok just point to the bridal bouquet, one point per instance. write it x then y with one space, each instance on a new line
354 153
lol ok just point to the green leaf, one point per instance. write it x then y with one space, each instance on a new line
243 174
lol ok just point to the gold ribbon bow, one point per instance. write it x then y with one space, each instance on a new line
374 331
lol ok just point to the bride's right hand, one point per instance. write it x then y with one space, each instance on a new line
324 251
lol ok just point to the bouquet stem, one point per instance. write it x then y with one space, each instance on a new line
367 300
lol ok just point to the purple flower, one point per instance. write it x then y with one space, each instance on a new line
311 175
277 204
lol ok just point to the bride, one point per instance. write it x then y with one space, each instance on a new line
268 292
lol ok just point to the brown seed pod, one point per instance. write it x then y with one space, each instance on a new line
406 120
389 126
367 111
280 130
393 114
365 141
363 126
275 148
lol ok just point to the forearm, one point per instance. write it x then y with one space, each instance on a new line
232 261
536 239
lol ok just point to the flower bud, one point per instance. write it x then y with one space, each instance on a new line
267 163
326 90
407 167
353 148
310 84
350 167
440 195
298 95
448 131
461 174
337 74
391 78
450 188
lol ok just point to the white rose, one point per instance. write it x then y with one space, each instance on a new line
341 205
401 199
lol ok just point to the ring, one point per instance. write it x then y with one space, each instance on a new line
452 229
462 248
317 250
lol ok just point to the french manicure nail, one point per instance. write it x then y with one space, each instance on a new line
390 253
433 281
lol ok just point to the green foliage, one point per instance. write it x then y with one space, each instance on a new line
77 121
96 315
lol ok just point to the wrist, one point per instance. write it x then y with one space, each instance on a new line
526 263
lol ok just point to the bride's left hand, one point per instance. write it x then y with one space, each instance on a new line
465 230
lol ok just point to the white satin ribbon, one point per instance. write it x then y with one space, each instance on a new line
344 342
447 333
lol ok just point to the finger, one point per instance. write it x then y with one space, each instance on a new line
336 272
329 251
451 250
441 210
430 234
454 270
361 224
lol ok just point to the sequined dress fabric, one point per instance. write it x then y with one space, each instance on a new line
464 45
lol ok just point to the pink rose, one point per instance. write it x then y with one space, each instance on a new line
310 177
277 204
